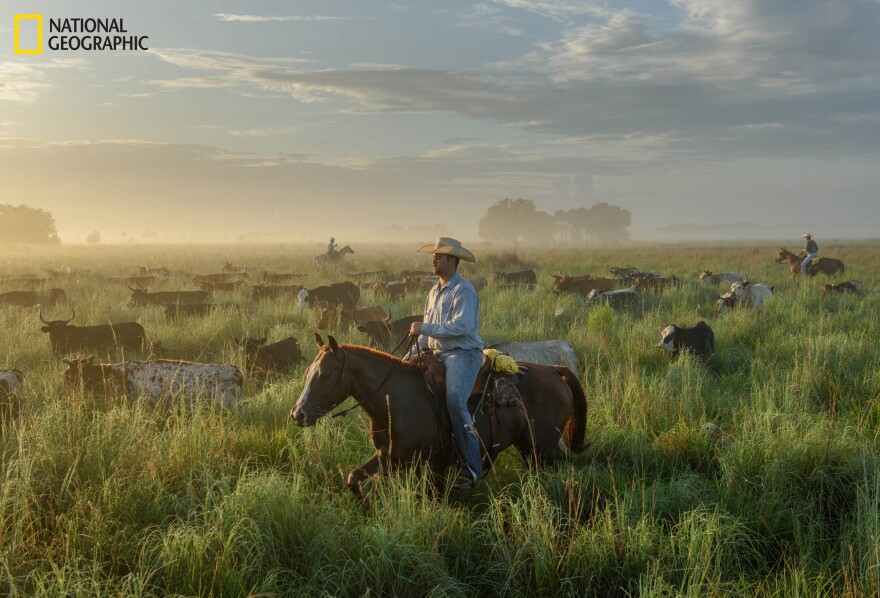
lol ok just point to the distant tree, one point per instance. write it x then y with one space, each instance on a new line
517 220
601 223
94 238
25 225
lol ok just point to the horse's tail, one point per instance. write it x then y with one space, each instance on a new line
576 427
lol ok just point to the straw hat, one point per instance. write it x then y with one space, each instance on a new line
806 236
451 247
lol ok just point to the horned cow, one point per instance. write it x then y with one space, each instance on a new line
274 357
159 379
64 337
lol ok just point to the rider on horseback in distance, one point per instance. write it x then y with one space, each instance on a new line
331 247
450 325
812 249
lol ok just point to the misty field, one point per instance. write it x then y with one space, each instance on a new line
115 496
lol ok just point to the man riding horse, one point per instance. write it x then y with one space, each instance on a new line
811 249
449 329
331 248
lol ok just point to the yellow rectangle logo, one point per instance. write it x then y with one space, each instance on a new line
39 48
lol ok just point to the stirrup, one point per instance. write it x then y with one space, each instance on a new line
466 478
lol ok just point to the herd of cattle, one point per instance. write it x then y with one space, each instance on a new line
158 378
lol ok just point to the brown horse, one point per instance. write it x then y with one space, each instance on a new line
826 265
409 426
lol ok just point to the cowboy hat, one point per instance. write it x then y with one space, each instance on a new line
806 236
451 247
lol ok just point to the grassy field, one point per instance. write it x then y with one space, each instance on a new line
111 496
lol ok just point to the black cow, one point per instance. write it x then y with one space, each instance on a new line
32 298
276 357
384 335
65 338
140 297
278 277
344 294
172 310
699 340
268 291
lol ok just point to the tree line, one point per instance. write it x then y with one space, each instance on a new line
24 225
520 221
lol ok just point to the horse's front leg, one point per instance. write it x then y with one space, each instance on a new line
364 472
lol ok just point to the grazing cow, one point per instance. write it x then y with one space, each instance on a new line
384 335
267 277
522 277
276 357
420 283
266 291
10 382
26 280
221 286
146 270
349 316
618 298
716 279
32 298
233 269
699 340
726 300
751 294
345 294
654 283
172 310
853 287
217 277
140 297
159 379
65 338
571 284
392 290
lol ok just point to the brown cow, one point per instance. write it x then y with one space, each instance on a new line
570 284
853 287
394 289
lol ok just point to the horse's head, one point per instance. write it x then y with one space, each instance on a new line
325 384
783 255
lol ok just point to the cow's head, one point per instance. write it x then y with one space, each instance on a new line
726 300
138 296
57 329
249 344
667 338
303 296
325 386
705 274
96 377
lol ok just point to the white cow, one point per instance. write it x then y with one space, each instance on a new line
616 298
707 276
751 294
10 382
161 378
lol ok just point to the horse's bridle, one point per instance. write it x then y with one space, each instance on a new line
357 402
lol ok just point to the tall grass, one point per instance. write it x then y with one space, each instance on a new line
109 495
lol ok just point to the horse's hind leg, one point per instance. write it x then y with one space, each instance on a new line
364 472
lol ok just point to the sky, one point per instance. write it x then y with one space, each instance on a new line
297 120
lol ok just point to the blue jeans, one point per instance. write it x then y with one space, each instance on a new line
462 367
806 263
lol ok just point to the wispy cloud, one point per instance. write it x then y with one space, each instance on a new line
23 82
492 19
280 18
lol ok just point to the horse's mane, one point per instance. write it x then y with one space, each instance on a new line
380 356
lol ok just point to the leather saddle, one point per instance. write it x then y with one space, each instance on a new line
500 388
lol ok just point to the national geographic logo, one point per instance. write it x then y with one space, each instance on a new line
75 34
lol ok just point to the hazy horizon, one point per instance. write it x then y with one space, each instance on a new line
257 122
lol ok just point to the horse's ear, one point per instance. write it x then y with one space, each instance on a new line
334 347
319 341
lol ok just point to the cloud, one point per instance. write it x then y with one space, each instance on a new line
23 82
226 17
485 17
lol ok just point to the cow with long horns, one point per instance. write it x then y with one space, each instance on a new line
65 337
